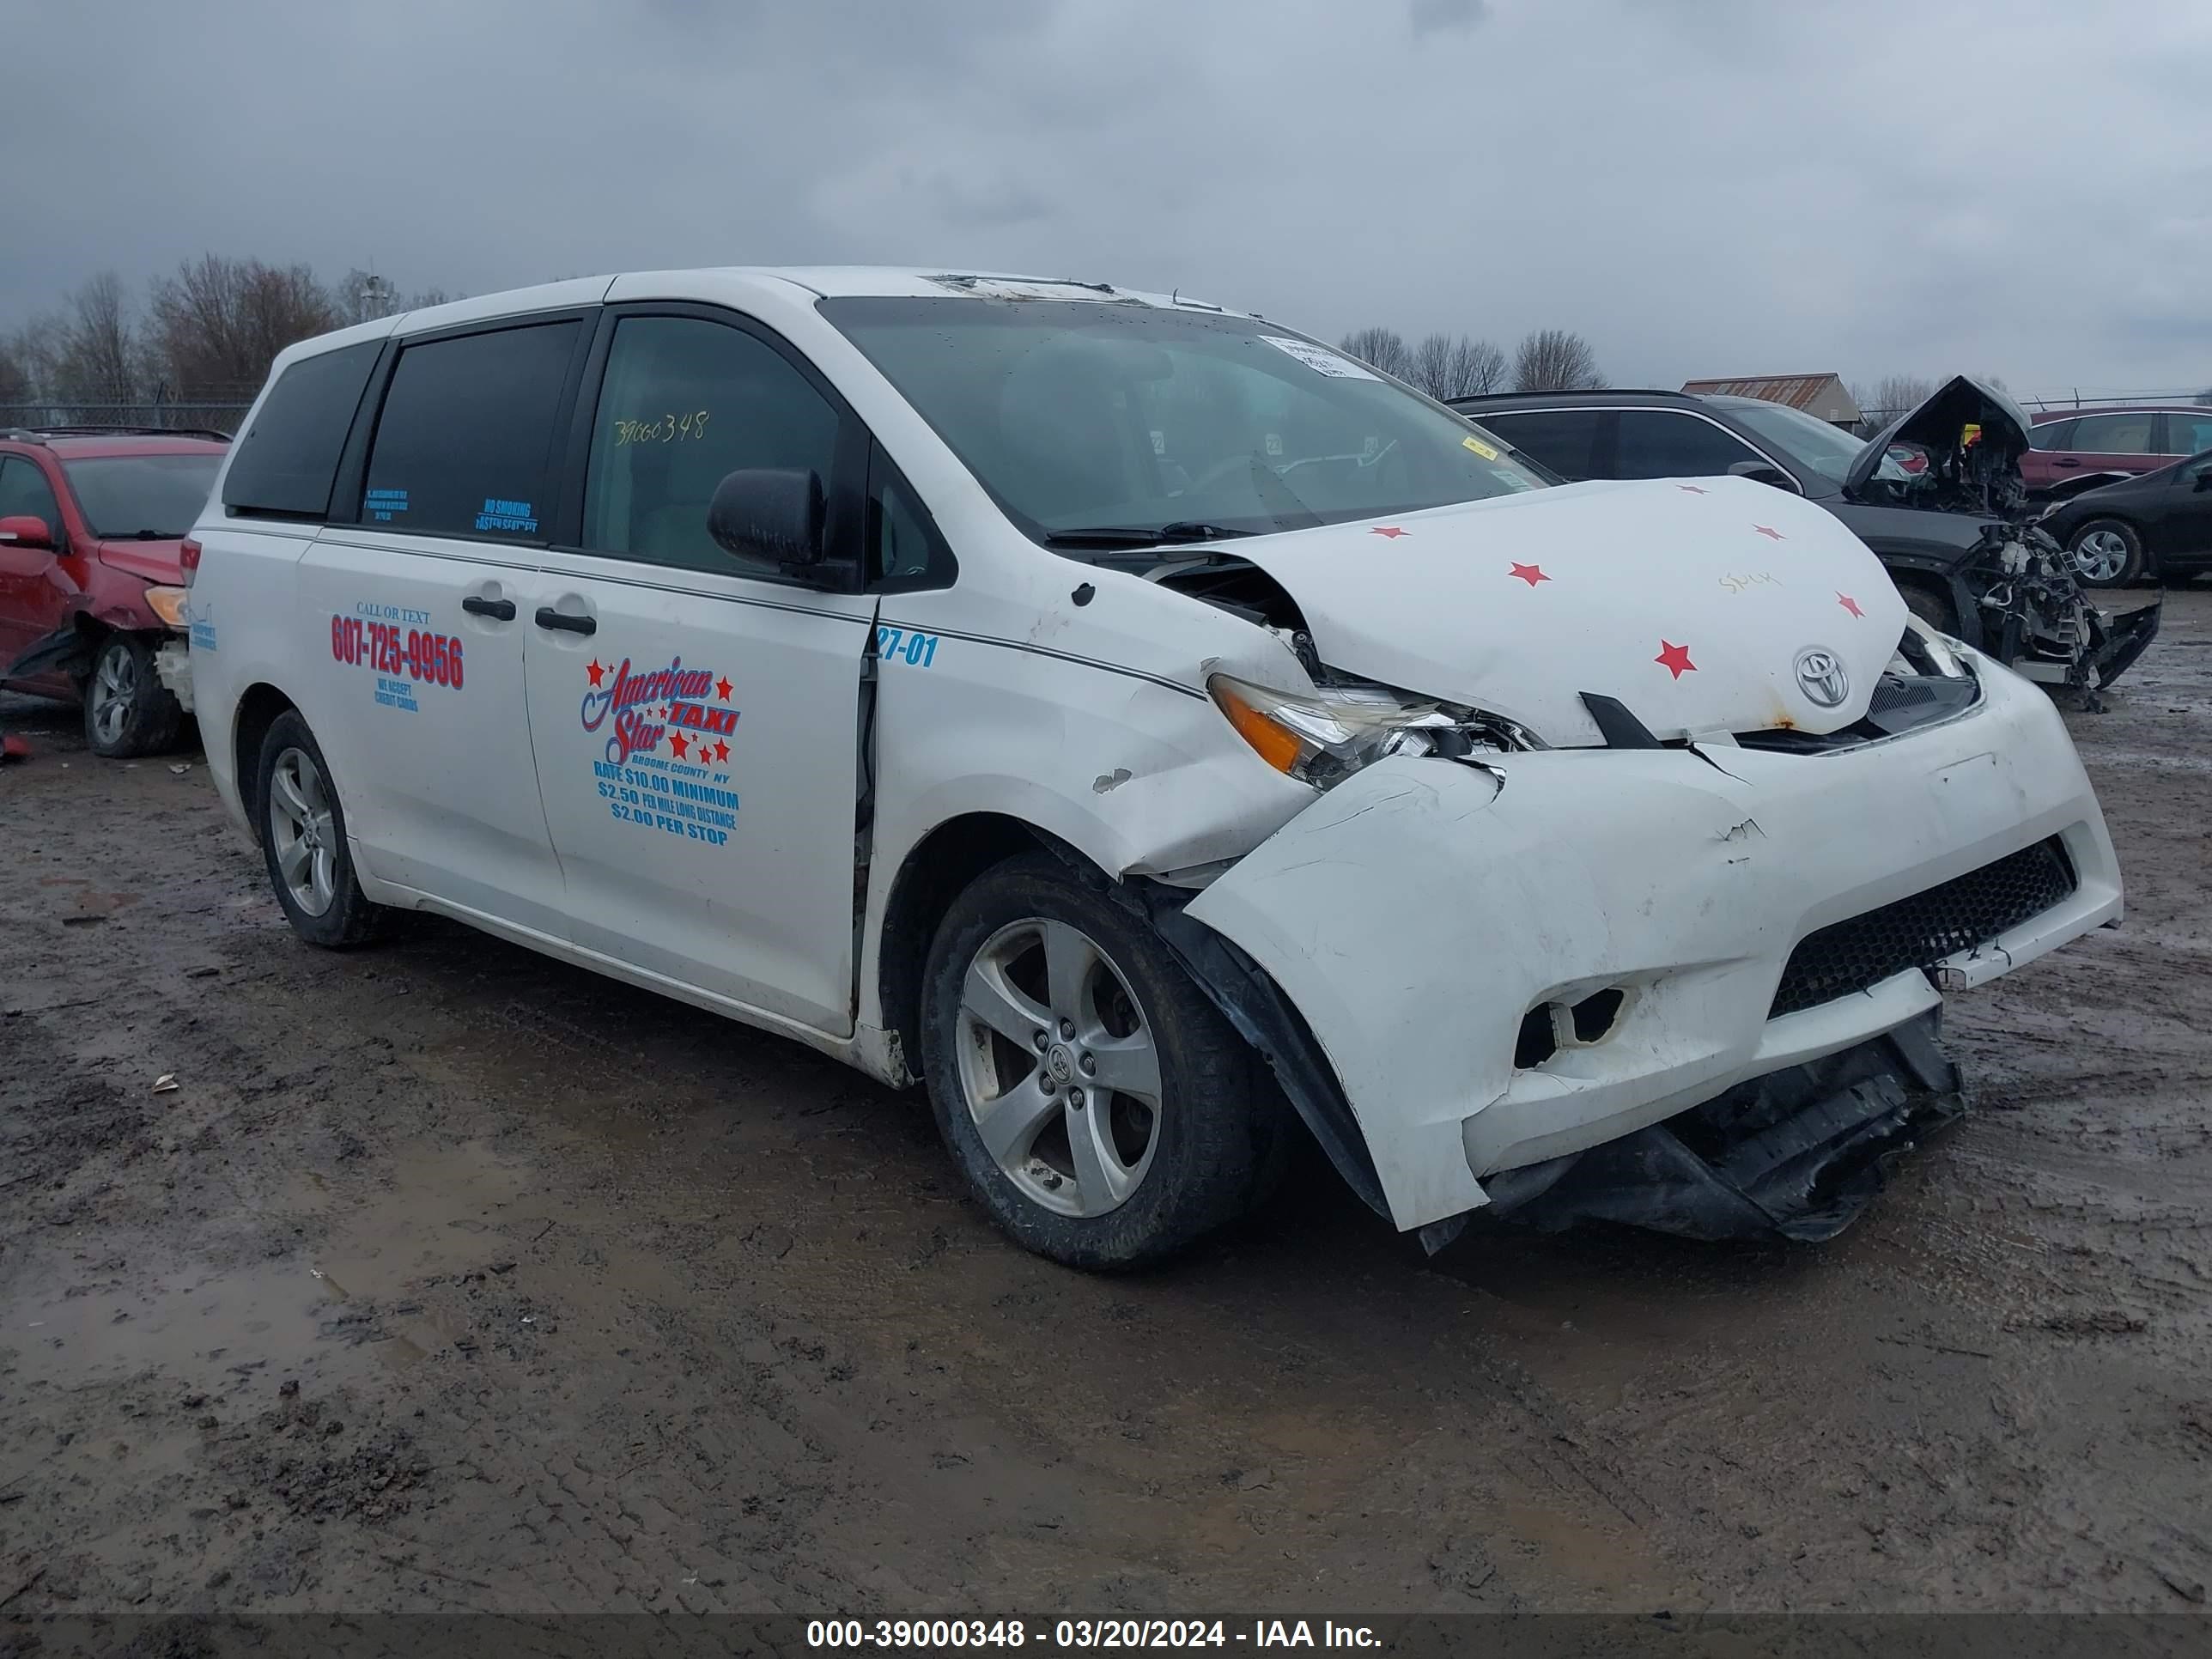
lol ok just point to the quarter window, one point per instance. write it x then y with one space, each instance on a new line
287 461
464 446
1658 444
684 403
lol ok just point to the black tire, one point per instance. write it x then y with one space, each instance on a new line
1218 1129
351 917
2115 535
128 711
1931 607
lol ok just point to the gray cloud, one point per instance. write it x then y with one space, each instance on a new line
1430 15
1708 187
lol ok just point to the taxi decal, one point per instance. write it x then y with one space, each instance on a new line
663 764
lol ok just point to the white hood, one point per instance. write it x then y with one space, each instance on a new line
1689 600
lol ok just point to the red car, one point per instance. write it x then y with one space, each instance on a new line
92 525
2079 449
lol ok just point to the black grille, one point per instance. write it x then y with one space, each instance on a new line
1921 931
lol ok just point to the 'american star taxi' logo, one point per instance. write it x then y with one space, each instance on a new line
644 706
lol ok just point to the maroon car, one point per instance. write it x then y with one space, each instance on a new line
92 594
2077 449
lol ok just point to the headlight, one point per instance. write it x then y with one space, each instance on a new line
1322 738
167 604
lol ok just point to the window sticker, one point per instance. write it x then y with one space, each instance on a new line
511 517
663 765
1478 448
383 506
1321 359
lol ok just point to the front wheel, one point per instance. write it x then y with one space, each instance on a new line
303 840
128 711
2106 553
1101 1108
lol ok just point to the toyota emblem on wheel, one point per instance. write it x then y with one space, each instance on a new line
1821 674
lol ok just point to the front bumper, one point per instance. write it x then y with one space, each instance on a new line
1418 912
2121 637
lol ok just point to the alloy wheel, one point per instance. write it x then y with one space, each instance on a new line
114 690
1058 1068
2102 556
303 828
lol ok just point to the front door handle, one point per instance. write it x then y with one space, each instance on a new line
497 610
549 617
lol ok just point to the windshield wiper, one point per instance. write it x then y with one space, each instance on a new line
1181 533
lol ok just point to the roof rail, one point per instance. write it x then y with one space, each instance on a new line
40 434
1573 392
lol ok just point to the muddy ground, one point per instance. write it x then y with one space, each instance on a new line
450 1278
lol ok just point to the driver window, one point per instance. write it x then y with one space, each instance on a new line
684 403
25 492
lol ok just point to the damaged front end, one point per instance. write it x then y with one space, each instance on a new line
1959 452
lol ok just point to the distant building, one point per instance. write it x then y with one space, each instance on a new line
1821 396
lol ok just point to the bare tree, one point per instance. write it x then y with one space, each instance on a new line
219 323
1555 359
1446 368
1477 367
1379 348
95 355
1892 395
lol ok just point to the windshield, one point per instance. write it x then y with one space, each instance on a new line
152 497
1126 422
1807 439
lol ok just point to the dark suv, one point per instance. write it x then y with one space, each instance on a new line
1960 549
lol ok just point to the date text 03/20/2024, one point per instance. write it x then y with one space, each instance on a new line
1085 1633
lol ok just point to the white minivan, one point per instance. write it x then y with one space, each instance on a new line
1130 718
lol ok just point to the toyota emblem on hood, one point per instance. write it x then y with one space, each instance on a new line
1821 675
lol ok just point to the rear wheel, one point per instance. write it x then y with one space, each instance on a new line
1100 1107
128 711
2106 553
303 840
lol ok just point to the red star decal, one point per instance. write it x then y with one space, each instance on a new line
597 669
721 750
675 742
1675 658
1530 573
1771 535
722 689
1692 489
1850 604
1389 530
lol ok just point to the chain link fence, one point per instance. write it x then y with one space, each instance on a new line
163 415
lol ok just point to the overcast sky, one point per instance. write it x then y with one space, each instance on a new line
1699 186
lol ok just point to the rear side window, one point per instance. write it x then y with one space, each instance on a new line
286 460
1564 439
1659 444
464 446
2113 434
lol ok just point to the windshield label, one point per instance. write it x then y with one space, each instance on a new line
1320 359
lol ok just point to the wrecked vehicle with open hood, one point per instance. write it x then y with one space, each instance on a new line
1959 453
1938 496
1144 727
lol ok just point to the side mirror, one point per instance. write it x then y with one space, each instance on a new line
775 514
25 531
1763 472
2204 482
